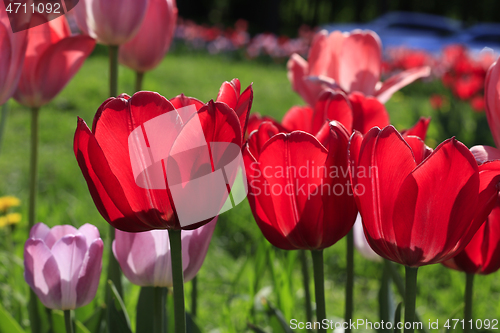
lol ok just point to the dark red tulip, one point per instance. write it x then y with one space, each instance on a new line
299 189
104 156
419 206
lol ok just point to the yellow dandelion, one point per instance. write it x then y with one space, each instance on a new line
8 201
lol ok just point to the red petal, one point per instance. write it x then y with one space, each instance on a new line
332 105
419 129
367 112
298 118
399 81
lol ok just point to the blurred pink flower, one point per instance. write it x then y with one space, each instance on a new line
147 49
63 264
347 61
361 243
53 57
144 257
12 51
111 22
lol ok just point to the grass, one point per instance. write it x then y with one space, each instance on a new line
241 268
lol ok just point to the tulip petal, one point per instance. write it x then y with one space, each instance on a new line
360 62
298 71
197 248
88 279
419 129
39 231
399 81
90 232
58 64
367 113
448 176
484 154
42 273
492 99
298 118
112 204
69 253
258 138
332 105
58 232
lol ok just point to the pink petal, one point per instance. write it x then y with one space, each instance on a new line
399 81
484 154
360 62
90 232
69 253
492 99
88 279
42 273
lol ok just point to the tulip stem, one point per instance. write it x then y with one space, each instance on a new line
386 310
349 286
113 70
305 281
138 81
410 298
194 296
319 287
469 287
3 121
178 280
114 273
33 306
67 321
159 309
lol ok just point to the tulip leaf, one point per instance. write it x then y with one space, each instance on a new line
117 317
397 318
7 323
276 318
145 314
93 323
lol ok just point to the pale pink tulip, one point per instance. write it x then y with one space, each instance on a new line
53 57
347 61
361 243
110 22
145 51
12 50
63 264
144 257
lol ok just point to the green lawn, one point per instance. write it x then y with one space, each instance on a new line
241 268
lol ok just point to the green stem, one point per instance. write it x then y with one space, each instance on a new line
410 297
194 296
349 287
306 283
113 70
138 81
33 306
469 287
3 121
159 309
67 321
178 280
319 286
114 273
384 296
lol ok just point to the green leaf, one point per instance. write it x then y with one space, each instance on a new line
118 320
58 325
145 315
397 318
276 319
7 323
93 323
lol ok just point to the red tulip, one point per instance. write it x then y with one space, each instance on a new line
110 22
12 52
132 201
53 57
299 189
149 46
492 100
482 254
419 207
349 61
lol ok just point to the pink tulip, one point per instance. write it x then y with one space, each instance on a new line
111 22
53 57
12 50
145 51
347 61
63 264
144 257
361 243
492 100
